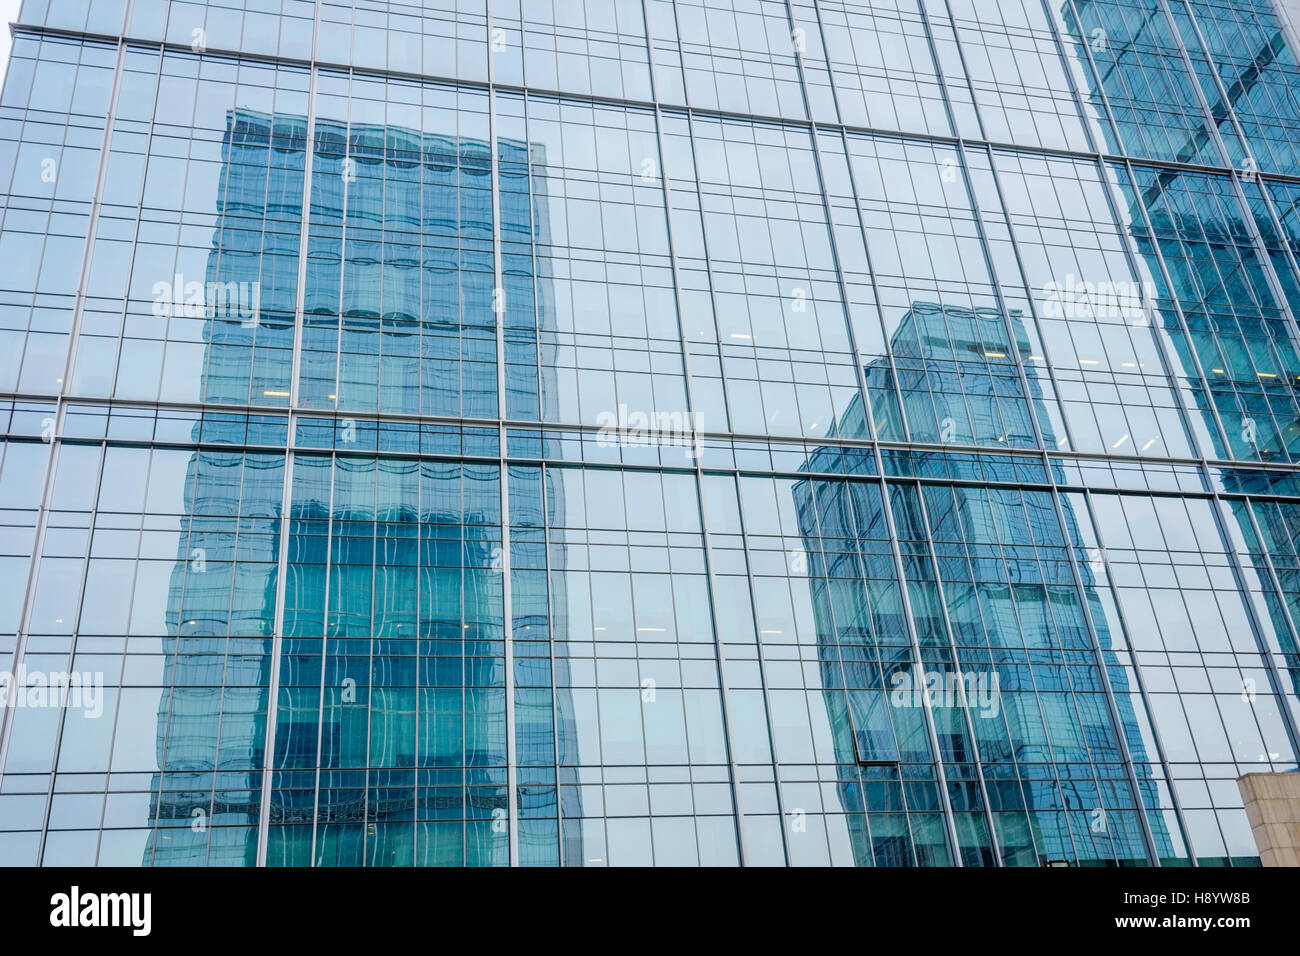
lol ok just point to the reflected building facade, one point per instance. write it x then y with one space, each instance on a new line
951 510
321 812
1006 646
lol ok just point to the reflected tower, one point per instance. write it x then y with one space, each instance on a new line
408 315
997 614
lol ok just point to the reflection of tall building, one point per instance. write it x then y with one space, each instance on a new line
930 342
1237 334
411 325
211 721
956 372
1235 331
1277 544
1248 363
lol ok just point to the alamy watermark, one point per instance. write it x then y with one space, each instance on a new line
79 691
1109 301
75 909
980 691
635 429
200 300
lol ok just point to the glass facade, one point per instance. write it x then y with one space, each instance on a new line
631 432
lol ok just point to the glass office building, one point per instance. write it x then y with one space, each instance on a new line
630 432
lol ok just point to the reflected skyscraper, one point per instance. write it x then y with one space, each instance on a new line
993 618
458 607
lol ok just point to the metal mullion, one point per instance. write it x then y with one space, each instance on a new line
978 217
1012 758
1075 698
350 170
225 661
924 16
776 769
499 312
918 661
1252 227
1005 313
720 655
512 770
543 472
286 497
368 802
1104 674
72 653
826 57
1033 678
961 684
762 666
1112 703
1211 126
536 288
525 101
675 608
1033 309
814 139
875 305
706 553
825 579
324 649
374 532
60 406
370 676
304 248
945 799
163 771
120 341
1266 267
1104 555
1261 642
1170 368
687 114
724 688
1274 576
417 697
315 414
92 222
